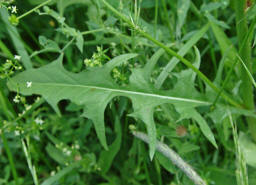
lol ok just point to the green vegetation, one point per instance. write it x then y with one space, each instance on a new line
114 92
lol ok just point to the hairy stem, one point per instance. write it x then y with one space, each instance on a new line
174 157
246 89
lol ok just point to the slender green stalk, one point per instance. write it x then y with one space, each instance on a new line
158 174
34 9
16 39
245 53
10 158
156 16
172 53
9 114
6 50
68 44
225 82
92 31
248 72
166 18
212 53
38 102
29 160
241 171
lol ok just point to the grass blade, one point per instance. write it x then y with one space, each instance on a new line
247 71
60 174
16 39
161 78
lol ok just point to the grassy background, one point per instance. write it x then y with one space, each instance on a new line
65 149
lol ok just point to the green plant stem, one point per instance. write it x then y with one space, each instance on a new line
34 9
67 45
33 107
241 172
173 53
156 16
10 158
246 89
158 170
29 161
166 18
93 31
6 50
10 114
225 82
8 111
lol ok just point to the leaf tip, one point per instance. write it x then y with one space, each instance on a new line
151 154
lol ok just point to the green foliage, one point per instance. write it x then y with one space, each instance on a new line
78 77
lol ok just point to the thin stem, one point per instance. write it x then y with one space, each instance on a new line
172 53
92 31
29 161
225 82
156 16
166 18
10 158
9 113
158 170
245 53
241 172
38 102
33 9
67 45
174 157
6 50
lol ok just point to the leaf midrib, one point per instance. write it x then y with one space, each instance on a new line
125 91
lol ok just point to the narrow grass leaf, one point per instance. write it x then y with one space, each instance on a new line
152 62
247 71
210 7
248 148
224 43
60 174
217 22
241 172
16 39
182 10
172 63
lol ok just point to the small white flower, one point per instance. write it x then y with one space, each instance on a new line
29 84
39 121
37 99
16 133
68 153
17 57
28 107
14 9
16 99
53 173
77 146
